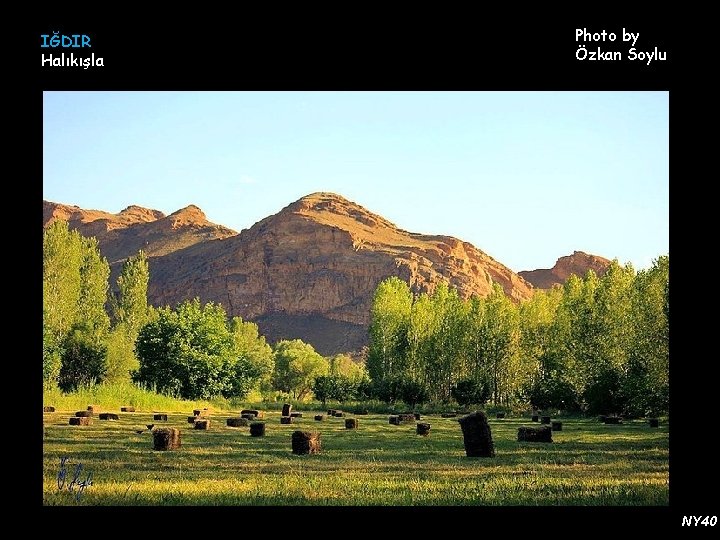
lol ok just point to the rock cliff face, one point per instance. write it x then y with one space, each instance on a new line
578 263
308 271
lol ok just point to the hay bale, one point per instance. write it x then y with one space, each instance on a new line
448 415
422 429
351 423
257 429
254 412
394 420
80 420
500 415
81 414
287 408
545 419
556 426
127 409
331 412
286 419
338 414
160 416
477 436
535 434
407 417
166 439
613 420
191 419
416 415
361 412
319 417
296 415
237 422
108 416
248 416
305 442
202 424
535 418
48 409
654 422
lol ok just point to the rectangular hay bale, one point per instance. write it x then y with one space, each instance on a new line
257 429
535 434
305 442
203 423
166 439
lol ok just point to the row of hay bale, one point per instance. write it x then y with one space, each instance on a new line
83 418
302 442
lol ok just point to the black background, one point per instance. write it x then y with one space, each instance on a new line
367 48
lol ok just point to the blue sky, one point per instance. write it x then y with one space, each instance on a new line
525 176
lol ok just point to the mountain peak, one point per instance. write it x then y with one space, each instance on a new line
331 209
578 263
144 214
190 215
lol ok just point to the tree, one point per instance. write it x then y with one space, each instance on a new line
83 360
297 365
413 393
52 357
130 304
254 365
130 312
188 352
62 258
645 386
471 392
75 322
94 274
495 343
389 317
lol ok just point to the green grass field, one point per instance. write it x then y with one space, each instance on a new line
378 464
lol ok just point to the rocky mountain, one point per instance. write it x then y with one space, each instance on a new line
578 263
123 234
307 272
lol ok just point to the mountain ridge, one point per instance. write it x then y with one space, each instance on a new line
308 271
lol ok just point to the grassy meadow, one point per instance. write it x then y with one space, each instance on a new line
588 463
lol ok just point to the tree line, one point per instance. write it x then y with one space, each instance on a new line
596 344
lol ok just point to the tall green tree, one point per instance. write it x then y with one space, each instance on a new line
389 318
130 305
646 383
130 311
75 322
62 259
255 361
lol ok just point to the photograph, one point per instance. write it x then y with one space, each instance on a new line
353 297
